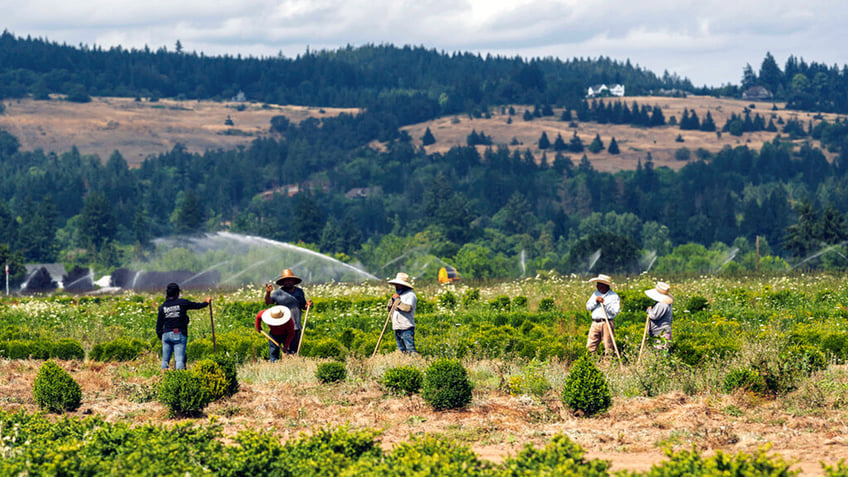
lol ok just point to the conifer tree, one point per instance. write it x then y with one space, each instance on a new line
428 138
544 142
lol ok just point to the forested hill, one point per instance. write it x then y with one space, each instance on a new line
488 209
414 83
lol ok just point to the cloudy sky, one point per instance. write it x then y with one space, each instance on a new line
708 41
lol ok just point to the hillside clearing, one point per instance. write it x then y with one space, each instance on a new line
139 129
635 143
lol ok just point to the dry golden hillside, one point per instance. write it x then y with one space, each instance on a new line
141 128
634 143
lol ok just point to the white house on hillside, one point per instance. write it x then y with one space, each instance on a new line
604 90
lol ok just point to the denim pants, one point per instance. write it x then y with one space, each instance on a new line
405 340
274 351
174 343
295 342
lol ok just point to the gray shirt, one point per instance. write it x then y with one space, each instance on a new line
403 318
660 318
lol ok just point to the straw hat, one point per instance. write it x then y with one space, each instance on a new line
605 279
660 293
276 315
401 279
287 274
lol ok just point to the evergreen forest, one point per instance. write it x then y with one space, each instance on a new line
481 208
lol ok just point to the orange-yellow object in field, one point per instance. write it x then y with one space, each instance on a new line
448 274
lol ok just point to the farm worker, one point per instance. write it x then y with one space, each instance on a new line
291 297
172 325
403 302
602 299
659 315
280 328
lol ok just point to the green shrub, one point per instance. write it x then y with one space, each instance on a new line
547 304
446 385
744 378
519 303
721 464
404 380
470 297
213 378
325 348
120 349
184 393
586 390
696 303
560 456
67 348
331 372
55 390
229 365
425 455
447 299
500 303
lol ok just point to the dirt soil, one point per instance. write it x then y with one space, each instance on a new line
139 129
632 435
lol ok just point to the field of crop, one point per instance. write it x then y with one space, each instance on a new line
756 379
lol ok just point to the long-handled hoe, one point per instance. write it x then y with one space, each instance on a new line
302 330
388 318
609 328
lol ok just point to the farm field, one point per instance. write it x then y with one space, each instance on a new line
517 340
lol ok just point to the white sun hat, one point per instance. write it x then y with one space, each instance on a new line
276 315
660 293
605 279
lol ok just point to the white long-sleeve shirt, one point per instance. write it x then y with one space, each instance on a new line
612 303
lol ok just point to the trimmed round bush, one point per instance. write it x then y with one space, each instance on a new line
67 349
120 349
55 390
326 348
331 372
404 380
213 377
446 385
586 390
184 393
547 304
229 365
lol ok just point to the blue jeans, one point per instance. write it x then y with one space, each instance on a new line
174 343
273 350
405 340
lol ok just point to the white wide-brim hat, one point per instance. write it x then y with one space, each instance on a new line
401 279
605 279
276 315
660 293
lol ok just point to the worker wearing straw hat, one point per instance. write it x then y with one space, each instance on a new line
402 307
603 304
659 315
291 297
280 329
